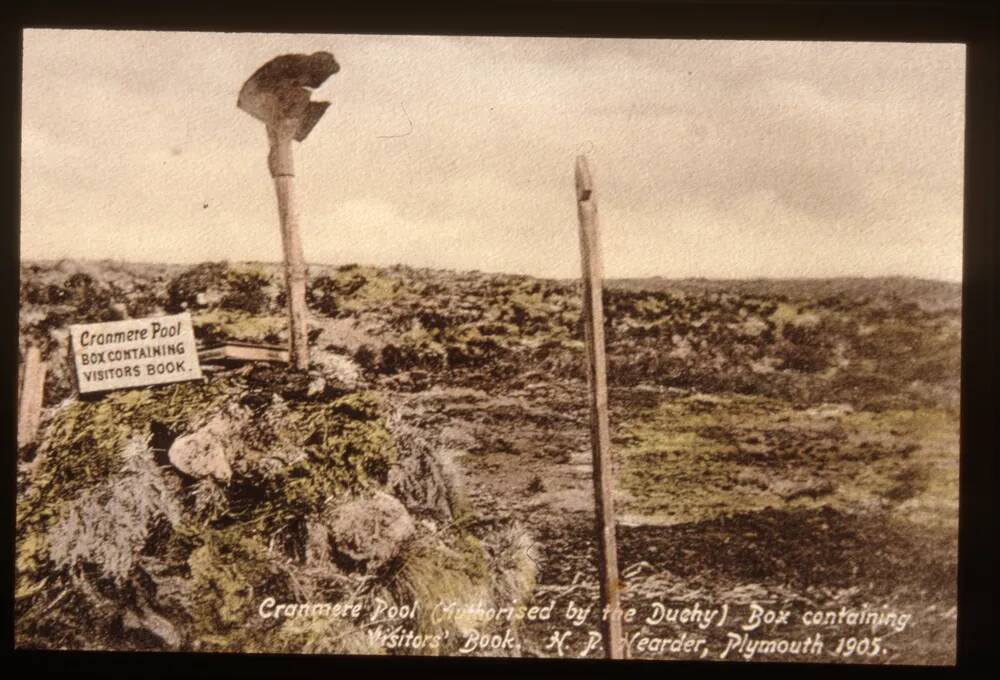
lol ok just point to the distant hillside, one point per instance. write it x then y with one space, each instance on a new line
865 341
927 293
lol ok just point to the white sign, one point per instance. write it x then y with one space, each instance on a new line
134 352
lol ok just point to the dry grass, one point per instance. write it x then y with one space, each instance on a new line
109 524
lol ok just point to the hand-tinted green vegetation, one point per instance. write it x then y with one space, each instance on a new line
793 441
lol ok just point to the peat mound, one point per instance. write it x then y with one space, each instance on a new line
163 518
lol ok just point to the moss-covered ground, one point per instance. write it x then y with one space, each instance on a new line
697 457
794 441
231 542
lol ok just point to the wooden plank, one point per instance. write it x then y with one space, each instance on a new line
213 354
30 396
600 438
241 343
243 352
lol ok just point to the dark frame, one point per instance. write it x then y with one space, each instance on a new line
972 23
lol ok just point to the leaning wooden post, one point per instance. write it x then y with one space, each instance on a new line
31 390
600 438
276 94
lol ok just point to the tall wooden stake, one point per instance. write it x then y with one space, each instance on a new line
283 171
31 390
600 438
278 95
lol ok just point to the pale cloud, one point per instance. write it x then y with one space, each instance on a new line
712 158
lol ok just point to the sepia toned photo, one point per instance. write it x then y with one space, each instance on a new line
489 346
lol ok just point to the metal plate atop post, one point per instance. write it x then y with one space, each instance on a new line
276 92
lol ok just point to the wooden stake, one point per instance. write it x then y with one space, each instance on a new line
277 95
283 172
600 438
31 390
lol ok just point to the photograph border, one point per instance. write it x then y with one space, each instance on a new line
972 23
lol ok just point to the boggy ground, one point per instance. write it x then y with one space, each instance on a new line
789 443
724 499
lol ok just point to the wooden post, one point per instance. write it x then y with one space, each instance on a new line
31 390
282 170
600 438
277 94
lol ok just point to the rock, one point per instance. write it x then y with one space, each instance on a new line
316 387
327 388
366 531
811 487
339 369
203 453
208 298
150 622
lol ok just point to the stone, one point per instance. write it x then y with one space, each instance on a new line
367 531
148 621
316 387
339 369
203 453
208 298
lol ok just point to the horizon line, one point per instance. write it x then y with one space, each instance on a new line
701 277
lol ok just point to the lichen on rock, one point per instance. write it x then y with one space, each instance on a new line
207 451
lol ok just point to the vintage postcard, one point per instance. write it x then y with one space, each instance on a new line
490 346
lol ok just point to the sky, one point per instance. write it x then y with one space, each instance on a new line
716 159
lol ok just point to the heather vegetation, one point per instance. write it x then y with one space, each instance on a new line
797 440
